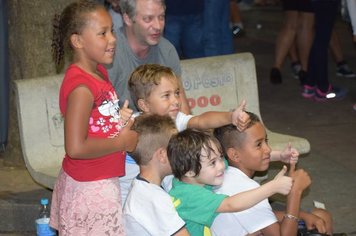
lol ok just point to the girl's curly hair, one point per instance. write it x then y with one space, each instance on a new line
71 21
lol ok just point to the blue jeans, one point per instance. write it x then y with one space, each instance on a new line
185 32
217 34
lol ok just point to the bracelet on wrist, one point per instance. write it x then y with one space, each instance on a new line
291 217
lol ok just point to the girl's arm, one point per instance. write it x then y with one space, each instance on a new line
242 201
77 144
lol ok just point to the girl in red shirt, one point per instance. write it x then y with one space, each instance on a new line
86 197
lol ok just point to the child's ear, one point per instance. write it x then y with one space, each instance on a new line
190 174
162 152
75 41
142 105
232 154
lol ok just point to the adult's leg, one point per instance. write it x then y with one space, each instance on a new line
343 68
285 37
217 36
192 38
325 14
226 36
335 47
235 14
284 42
305 36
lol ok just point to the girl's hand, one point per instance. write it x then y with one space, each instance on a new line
125 112
240 118
289 155
130 135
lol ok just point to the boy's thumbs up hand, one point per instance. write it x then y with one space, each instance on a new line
281 172
283 183
300 177
239 117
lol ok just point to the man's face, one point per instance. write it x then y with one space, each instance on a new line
254 153
148 23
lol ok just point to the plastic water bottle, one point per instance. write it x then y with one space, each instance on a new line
42 223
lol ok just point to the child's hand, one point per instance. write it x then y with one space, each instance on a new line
125 113
289 155
313 221
130 135
301 179
239 117
283 183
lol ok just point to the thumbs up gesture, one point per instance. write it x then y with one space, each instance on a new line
239 117
289 154
283 184
300 177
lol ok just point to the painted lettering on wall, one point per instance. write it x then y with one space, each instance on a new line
214 81
203 101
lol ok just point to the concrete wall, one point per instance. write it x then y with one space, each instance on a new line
30 33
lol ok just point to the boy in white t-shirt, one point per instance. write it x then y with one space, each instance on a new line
248 152
149 209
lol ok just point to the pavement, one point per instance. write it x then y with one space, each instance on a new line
330 128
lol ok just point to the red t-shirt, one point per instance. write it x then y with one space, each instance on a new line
103 123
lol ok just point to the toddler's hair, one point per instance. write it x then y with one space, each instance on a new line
72 20
129 7
230 137
145 77
154 132
185 148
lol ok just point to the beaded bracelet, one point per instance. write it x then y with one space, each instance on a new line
292 217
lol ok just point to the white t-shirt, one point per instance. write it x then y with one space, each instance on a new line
243 222
182 121
152 208
132 169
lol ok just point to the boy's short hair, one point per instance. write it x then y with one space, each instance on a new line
145 77
154 132
184 150
230 137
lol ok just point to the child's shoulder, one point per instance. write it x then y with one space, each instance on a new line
182 188
145 192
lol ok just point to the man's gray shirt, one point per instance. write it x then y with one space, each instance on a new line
125 62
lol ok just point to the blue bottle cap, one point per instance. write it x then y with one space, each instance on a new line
44 201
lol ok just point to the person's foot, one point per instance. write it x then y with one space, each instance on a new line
333 93
344 70
308 92
275 76
354 107
296 68
237 31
